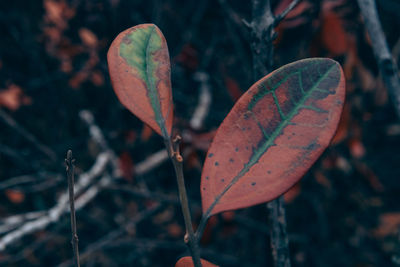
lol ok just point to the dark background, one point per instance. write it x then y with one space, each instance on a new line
344 212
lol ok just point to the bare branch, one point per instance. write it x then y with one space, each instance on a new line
263 34
386 64
151 162
12 222
54 214
112 236
203 106
97 135
30 222
28 136
284 13
70 168
279 237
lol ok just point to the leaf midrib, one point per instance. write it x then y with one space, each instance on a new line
153 93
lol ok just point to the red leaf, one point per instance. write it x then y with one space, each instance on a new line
139 67
126 165
88 37
233 88
188 57
273 135
188 262
13 97
334 37
389 225
15 196
147 132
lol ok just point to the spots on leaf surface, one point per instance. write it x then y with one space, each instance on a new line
272 126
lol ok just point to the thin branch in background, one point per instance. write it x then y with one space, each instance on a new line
70 168
386 64
280 17
27 223
15 155
53 215
118 233
262 28
203 106
279 236
28 136
97 135
14 221
151 162
32 182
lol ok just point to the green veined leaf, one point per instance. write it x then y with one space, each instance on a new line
139 67
273 135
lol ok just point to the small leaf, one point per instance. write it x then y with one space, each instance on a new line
188 262
139 67
273 135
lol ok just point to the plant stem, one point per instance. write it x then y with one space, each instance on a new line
70 175
386 64
279 237
262 28
177 161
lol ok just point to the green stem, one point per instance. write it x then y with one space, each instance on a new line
190 238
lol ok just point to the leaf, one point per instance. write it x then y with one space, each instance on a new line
388 225
15 196
188 262
139 67
88 37
13 97
333 35
273 135
126 166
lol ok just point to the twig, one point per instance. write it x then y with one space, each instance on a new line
70 169
97 135
177 160
34 221
25 179
112 236
54 214
263 34
12 222
151 162
280 17
12 153
28 136
30 222
386 64
279 237
173 152
203 106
